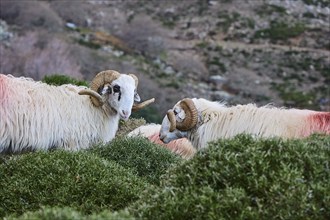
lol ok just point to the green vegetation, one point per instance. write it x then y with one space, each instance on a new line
248 22
292 97
216 61
302 69
246 179
80 180
168 20
67 213
58 79
266 10
138 154
89 44
133 179
227 19
322 3
202 44
280 31
174 84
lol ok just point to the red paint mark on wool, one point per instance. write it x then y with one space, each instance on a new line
173 145
320 122
179 146
155 139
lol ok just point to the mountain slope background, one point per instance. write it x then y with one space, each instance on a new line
228 50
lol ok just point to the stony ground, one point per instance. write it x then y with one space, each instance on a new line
228 50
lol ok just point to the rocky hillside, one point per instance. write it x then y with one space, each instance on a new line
274 51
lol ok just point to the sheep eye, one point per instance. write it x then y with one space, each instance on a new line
116 89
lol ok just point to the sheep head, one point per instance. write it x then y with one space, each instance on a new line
118 91
98 84
184 116
179 120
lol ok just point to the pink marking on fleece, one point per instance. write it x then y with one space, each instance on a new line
173 145
179 146
319 123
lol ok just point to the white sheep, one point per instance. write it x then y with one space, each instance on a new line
36 116
202 121
180 146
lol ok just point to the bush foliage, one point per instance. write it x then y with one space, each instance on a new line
61 178
67 213
58 79
145 159
246 179
131 178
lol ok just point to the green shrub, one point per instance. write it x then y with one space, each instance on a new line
267 10
89 44
280 31
60 178
322 3
58 79
146 159
293 97
243 178
226 19
67 213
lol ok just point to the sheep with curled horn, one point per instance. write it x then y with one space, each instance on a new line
38 116
202 121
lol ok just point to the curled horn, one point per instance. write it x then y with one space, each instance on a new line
141 105
190 120
95 97
99 80
171 118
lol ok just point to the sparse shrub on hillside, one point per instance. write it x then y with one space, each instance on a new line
67 213
281 31
292 97
60 178
89 44
144 158
243 178
58 79
322 3
268 9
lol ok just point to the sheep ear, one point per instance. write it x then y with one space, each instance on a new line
137 97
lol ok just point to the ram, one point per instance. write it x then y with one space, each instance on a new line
202 121
38 116
180 146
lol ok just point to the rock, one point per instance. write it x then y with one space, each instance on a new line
217 79
71 25
5 34
221 96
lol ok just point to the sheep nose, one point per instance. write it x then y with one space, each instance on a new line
161 136
125 113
